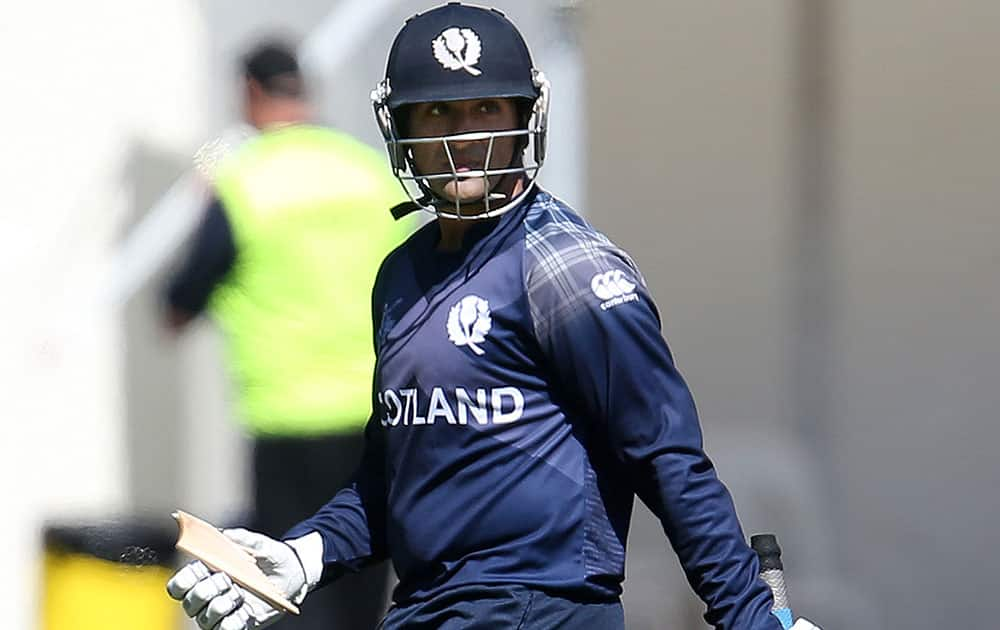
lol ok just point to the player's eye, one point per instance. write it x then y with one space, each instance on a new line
437 109
489 107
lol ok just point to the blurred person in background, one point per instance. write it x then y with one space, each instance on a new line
284 261
524 392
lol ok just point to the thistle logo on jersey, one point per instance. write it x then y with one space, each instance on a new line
459 49
614 288
469 322
389 318
458 406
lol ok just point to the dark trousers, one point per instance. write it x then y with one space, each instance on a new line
504 608
293 478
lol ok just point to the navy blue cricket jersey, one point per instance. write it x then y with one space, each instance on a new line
523 394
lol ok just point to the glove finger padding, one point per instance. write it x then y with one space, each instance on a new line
259 611
239 620
185 579
204 592
219 607
253 614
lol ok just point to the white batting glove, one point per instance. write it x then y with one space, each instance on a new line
216 603
804 624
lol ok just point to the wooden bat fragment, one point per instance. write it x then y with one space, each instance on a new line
205 542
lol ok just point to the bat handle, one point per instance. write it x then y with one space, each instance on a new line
772 572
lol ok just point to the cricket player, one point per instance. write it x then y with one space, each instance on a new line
523 392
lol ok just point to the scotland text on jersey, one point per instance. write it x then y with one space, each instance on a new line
458 406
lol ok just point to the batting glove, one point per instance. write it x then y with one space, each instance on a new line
804 624
215 602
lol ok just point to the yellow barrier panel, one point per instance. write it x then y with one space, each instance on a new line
82 592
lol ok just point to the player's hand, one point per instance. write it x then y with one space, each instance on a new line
216 603
804 624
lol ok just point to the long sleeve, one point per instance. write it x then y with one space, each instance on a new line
212 255
600 333
352 524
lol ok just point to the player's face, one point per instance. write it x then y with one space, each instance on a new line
428 120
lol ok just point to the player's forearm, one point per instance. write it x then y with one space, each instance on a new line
349 541
700 520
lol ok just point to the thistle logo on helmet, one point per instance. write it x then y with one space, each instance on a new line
614 288
459 49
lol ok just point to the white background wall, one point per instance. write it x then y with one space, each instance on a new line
82 81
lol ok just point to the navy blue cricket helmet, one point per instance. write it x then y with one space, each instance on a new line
457 52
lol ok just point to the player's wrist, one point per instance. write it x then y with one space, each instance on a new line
308 551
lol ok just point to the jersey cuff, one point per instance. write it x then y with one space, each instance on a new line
310 551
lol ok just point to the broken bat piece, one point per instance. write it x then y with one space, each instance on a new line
205 542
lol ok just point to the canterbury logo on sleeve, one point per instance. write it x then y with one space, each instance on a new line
614 288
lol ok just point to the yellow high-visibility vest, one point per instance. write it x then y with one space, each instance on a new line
309 212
